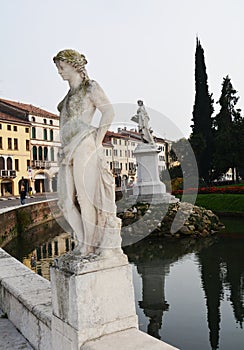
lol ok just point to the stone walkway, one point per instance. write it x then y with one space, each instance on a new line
10 338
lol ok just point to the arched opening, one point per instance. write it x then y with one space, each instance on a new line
2 163
33 132
41 183
6 188
34 153
9 163
51 135
40 152
52 154
45 153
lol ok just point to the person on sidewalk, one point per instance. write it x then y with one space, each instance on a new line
22 191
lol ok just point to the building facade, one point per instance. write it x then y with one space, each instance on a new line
14 149
119 150
41 172
29 144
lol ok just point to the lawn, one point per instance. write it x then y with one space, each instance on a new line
220 203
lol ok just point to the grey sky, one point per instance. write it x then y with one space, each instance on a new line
135 49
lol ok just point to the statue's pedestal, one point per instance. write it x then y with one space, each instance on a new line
91 298
148 186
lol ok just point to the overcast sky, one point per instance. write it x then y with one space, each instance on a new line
136 49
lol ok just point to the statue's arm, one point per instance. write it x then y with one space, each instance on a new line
102 103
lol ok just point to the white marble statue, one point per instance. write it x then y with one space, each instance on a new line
85 185
142 119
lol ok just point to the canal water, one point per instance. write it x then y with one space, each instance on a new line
188 292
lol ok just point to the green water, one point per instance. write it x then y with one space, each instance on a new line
188 292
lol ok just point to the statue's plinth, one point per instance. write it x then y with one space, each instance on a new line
148 187
91 297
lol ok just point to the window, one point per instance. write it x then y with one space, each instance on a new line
15 144
115 152
45 134
106 152
28 163
40 152
45 121
33 119
125 153
115 141
9 164
16 164
2 163
129 153
1 142
33 132
51 122
51 135
121 166
52 154
8 127
27 130
9 143
15 128
119 142
0 126
45 153
125 142
27 145
34 153
120 153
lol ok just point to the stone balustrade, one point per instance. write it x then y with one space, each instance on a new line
25 297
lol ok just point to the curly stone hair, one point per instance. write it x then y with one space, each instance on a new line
72 57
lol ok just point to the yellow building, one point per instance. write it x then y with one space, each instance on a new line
14 149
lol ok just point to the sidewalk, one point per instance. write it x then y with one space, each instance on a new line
10 338
13 203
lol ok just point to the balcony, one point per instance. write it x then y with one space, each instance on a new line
116 171
132 172
40 164
7 174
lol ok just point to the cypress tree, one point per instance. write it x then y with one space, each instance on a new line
229 132
201 138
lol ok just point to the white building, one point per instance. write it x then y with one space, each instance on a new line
119 151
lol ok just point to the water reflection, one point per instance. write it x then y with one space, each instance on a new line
191 291
38 247
221 264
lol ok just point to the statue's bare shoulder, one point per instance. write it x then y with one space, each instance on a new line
97 95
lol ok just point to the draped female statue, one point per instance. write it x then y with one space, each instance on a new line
85 185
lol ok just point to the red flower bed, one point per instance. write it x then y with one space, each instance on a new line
213 190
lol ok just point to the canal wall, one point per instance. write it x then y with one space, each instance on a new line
19 219
25 298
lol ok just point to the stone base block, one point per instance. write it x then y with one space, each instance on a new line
130 339
149 188
90 301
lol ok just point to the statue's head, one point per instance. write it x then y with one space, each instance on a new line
140 103
72 57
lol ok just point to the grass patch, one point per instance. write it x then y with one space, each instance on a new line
225 203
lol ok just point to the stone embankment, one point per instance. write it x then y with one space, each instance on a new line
15 221
171 220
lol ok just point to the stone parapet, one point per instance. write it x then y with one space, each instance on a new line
25 297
